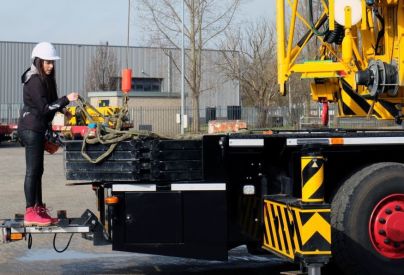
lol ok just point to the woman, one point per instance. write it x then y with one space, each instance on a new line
40 105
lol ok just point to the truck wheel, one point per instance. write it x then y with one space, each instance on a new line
367 217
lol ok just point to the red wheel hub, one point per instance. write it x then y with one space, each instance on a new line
386 227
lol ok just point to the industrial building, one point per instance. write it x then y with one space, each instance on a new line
156 77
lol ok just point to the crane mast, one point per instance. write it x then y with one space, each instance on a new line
360 56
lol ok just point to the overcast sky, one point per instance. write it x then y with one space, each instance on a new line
87 21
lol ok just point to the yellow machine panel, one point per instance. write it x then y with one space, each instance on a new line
97 115
294 231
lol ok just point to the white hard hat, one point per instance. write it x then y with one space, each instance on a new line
45 50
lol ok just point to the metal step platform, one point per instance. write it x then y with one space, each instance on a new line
88 225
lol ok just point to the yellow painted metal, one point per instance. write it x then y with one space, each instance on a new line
312 174
291 32
316 224
325 90
352 104
319 67
364 17
105 111
357 50
400 40
280 26
331 14
379 108
347 51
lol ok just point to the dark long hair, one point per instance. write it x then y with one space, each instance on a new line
48 80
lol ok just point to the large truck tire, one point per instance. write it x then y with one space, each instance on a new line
367 217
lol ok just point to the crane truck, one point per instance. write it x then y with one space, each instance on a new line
310 196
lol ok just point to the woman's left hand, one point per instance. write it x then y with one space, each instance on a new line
72 96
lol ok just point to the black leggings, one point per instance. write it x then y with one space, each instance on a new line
34 158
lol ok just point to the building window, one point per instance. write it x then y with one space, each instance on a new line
103 103
146 84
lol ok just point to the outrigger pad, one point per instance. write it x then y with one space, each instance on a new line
136 160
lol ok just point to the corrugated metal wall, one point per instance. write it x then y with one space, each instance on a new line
145 62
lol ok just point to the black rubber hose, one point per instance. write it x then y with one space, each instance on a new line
312 25
67 245
381 32
29 241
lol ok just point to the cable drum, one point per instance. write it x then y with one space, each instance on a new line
379 78
391 80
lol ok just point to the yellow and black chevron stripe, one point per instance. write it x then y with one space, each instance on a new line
108 110
352 104
312 168
249 216
105 111
294 232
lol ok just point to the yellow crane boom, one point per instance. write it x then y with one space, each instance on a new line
360 59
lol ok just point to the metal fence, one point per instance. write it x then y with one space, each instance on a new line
9 113
165 120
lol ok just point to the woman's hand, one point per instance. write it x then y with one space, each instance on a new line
72 96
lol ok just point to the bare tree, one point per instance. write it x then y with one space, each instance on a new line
103 70
249 56
207 19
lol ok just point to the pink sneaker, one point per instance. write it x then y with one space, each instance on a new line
44 212
33 218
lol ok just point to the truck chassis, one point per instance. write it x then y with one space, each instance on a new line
302 195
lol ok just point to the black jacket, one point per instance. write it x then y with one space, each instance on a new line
40 102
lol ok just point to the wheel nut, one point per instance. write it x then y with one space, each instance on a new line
381 220
388 211
398 208
386 241
382 232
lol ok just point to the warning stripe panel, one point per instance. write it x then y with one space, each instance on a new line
351 103
279 239
312 178
291 231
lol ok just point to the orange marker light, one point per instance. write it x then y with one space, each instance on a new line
337 141
111 200
16 236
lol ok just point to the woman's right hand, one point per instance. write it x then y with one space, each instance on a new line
72 96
